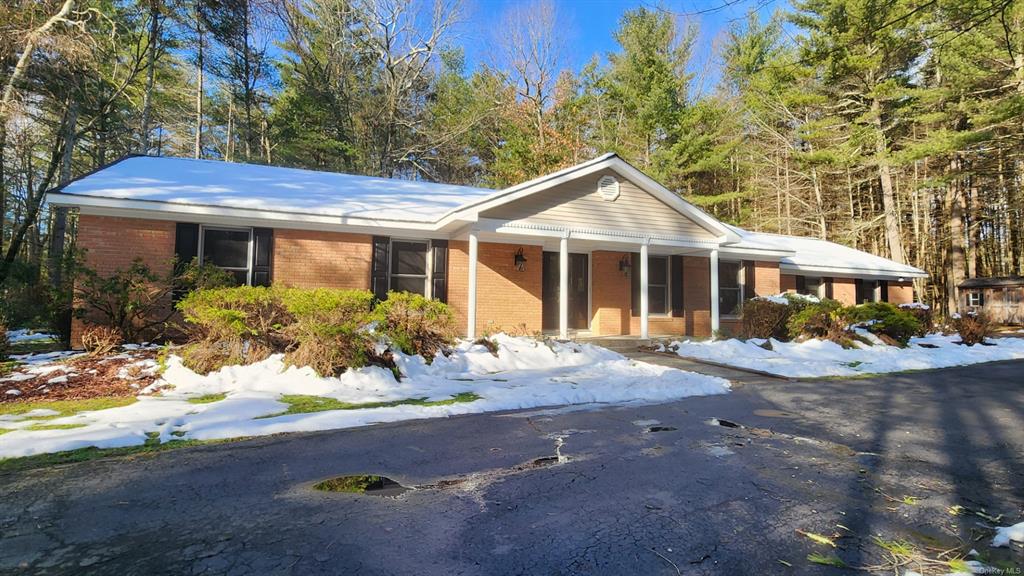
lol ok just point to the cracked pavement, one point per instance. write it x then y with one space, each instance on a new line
828 457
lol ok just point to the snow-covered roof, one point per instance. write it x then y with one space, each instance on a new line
271 188
816 255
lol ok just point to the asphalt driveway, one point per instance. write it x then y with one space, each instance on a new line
660 489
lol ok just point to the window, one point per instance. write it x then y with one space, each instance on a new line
730 289
868 291
974 298
409 266
813 286
228 249
657 284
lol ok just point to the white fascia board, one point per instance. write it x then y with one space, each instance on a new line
844 272
762 254
240 216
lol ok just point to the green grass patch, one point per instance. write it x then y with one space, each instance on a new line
7 365
36 427
830 560
8 465
207 398
35 346
303 404
67 407
354 484
5 431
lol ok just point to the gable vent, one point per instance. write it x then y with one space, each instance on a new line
608 187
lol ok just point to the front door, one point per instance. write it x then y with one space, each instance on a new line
579 281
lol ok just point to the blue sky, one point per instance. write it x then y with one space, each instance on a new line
589 24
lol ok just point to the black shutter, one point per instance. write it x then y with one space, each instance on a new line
676 282
884 285
186 249
749 288
186 244
634 283
801 285
828 287
379 267
262 256
439 270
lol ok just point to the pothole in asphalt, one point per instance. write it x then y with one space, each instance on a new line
662 429
362 484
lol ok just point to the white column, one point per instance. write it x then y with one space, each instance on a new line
714 292
471 308
563 287
644 292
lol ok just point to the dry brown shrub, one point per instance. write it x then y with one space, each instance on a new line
101 340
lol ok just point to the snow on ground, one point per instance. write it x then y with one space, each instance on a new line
526 373
1006 533
817 358
15 336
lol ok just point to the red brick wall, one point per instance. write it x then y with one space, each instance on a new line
844 290
610 297
112 244
767 279
506 298
312 259
901 292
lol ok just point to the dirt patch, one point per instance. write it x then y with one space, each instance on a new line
81 378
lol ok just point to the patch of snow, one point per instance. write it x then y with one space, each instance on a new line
24 335
37 413
13 392
525 374
817 358
787 297
58 380
917 305
1004 534
44 358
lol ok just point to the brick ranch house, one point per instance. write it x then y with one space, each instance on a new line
629 256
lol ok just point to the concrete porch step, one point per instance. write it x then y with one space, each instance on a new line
620 344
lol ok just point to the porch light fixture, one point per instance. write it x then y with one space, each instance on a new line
625 265
520 260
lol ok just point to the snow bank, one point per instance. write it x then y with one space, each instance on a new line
787 297
817 358
525 374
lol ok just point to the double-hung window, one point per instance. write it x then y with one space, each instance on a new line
229 249
813 286
730 288
409 270
974 298
657 284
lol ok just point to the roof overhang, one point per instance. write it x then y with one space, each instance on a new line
848 272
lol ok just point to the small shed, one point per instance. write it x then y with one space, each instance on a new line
1001 297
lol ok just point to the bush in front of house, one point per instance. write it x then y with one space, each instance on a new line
101 340
923 313
136 301
416 325
329 328
824 319
239 325
893 325
763 318
973 327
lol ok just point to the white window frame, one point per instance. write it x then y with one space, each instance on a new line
974 298
668 285
820 292
428 268
248 254
741 283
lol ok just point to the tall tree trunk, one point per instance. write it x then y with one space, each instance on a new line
954 207
892 220
198 151
147 101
